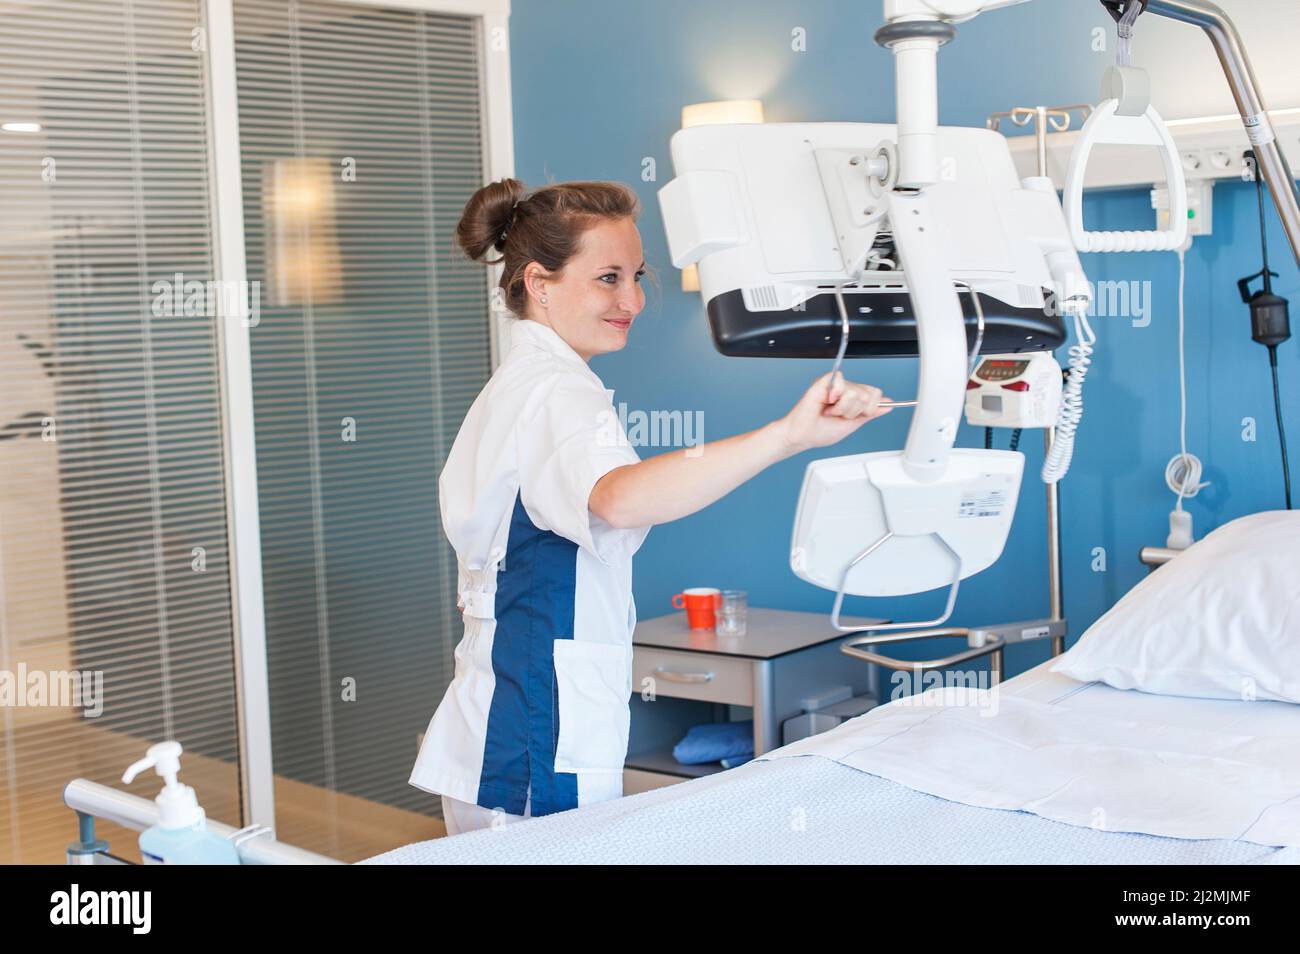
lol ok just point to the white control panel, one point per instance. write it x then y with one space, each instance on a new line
1014 390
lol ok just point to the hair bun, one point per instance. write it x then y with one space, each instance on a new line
510 220
487 218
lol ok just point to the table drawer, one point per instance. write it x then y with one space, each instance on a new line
636 781
693 676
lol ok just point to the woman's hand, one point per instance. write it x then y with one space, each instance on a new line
818 420
664 487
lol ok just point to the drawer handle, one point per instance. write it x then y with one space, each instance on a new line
695 677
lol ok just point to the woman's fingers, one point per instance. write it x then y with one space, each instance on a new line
832 386
856 400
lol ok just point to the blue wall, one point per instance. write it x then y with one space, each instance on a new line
598 86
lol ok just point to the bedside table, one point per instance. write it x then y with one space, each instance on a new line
694 676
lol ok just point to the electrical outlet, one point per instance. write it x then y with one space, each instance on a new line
1200 206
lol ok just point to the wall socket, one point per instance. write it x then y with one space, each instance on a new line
1200 206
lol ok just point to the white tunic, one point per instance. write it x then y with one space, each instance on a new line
539 704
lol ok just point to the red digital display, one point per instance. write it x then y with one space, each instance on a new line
1001 369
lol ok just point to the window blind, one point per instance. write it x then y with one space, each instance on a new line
112 506
361 142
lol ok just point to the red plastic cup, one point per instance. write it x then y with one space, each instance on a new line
700 603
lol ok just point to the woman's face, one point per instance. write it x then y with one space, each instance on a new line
592 307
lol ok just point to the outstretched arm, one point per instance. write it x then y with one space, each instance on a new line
668 486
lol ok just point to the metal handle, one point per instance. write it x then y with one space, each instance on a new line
853 647
1157 556
1106 126
684 677
972 358
938 620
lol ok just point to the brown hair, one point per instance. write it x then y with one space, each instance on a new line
544 225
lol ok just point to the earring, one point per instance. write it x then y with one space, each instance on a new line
543 299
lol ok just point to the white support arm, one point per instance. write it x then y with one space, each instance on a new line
940 336
917 111
916 78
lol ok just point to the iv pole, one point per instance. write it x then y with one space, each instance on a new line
1057 119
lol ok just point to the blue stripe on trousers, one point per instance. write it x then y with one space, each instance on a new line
534 606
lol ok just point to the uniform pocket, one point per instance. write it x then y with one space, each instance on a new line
594 708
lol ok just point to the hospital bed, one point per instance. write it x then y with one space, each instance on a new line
1042 768
807 804
815 802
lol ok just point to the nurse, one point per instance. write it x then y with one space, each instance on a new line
545 502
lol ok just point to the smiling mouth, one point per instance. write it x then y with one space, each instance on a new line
623 323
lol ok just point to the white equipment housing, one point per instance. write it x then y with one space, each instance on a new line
847 503
1014 390
782 212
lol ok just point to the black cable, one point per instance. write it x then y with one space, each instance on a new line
1263 235
1281 431
1270 323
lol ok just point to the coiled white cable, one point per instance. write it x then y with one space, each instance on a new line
1057 462
1183 476
1183 472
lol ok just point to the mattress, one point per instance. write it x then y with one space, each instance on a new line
1086 754
791 808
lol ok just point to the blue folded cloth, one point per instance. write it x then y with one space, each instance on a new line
715 742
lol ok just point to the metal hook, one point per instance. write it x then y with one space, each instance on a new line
938 621
972 356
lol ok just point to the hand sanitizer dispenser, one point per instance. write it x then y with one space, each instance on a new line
181 836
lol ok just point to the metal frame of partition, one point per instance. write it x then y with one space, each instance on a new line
234 354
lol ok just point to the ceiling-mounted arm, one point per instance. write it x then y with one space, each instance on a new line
913 31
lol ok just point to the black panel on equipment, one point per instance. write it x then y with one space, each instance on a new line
888 330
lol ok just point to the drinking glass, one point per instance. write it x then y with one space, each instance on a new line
732 613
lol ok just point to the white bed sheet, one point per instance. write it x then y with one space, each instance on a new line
1090 755
812 810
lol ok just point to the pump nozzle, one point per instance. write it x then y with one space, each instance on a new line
165 758
177 803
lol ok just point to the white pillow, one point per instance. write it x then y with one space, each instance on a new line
1220 621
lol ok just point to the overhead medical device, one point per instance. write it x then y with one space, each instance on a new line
780 215
794 225
777 214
